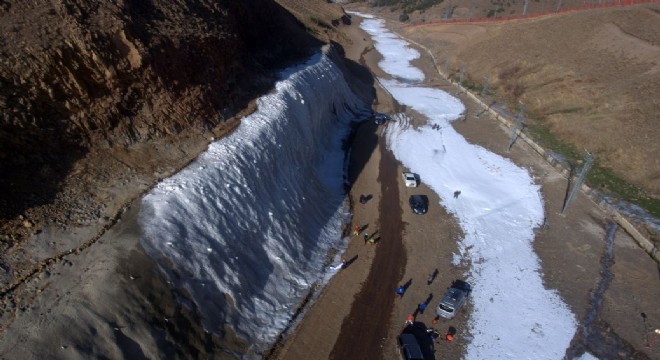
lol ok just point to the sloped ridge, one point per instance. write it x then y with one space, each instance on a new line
81 75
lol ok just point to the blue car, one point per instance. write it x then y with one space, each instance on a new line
419 204
380 119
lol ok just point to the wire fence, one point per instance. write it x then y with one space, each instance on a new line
500 112
538 14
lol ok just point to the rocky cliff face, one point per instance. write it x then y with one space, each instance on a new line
99 101
80 77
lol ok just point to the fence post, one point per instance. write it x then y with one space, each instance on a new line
462 76
484 89
518 127
588 160
524 12
449 10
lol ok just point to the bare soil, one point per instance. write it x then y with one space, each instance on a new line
108 289
590 77
571 248
102 100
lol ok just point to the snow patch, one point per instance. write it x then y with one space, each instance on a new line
498 207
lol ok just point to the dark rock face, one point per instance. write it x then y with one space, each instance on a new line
79 75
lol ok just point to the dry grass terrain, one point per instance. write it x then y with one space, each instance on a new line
70 262
570 249
588 80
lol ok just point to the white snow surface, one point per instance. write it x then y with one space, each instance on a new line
246 228
397 53
587 356
513 316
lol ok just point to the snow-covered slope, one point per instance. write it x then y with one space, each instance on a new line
246 228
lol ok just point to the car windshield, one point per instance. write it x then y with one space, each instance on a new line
446 308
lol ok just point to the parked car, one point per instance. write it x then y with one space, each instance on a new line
454 299
380 119
410 179
409 347
419 204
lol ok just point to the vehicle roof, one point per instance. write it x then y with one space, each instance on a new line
460 284
409 341
453 296
407 337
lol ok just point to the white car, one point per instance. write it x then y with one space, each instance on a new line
410 179
453 299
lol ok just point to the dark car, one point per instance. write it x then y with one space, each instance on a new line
380 119
409 347
419 204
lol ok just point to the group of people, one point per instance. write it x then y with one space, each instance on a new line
371 240
434 334
431 332
401 290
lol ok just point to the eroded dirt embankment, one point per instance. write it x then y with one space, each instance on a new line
101 101
96 95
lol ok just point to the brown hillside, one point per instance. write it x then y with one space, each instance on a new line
590 77
85 85
101 100
318 15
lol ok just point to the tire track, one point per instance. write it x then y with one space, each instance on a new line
595 335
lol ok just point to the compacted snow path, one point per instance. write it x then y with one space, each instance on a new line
514 316
247 227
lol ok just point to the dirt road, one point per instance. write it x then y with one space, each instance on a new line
572 250
608 282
